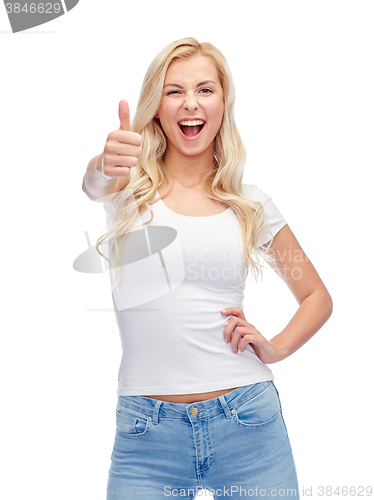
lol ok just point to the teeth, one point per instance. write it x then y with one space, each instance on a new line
191 123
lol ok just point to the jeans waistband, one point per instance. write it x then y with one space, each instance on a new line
156 408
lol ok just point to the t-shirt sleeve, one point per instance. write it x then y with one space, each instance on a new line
275 219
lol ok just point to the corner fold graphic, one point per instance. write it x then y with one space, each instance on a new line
70 4
23 14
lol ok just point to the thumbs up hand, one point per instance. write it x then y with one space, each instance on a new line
122 148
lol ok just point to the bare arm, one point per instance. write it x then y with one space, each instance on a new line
315 305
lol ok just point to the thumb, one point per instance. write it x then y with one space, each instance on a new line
124 116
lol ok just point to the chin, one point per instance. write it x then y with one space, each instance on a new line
195 149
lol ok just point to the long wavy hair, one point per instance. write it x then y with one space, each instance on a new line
222 183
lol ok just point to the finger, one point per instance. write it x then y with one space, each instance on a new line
124 116
125 137
122 172
118 148
244 336
120 160
235 311
119 171
248 337
230 325
236 336
245 340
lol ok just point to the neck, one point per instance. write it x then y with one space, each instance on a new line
189 170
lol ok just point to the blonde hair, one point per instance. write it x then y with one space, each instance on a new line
222 183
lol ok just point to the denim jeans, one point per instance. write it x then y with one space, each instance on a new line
235 446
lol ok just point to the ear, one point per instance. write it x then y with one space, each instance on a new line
156 115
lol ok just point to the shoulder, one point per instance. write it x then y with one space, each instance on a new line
275 219
254 193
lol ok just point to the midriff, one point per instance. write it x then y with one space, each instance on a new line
191 398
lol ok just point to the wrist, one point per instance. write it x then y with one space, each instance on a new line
100 168
95 185
280 347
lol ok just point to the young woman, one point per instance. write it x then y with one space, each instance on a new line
197 406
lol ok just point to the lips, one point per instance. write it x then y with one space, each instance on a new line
191 128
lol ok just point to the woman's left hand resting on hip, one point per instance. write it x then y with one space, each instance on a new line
247 334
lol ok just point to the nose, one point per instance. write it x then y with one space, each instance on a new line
190 101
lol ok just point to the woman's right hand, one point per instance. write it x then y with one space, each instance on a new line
122 148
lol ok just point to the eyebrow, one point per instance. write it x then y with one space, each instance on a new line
198 85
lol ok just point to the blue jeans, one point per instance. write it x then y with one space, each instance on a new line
235 445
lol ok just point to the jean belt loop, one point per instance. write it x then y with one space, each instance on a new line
225 406
155 411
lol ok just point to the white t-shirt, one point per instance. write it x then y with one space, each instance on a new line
180 272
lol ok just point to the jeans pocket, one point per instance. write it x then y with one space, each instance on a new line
259 410
131 423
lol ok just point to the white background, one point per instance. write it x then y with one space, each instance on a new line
304 84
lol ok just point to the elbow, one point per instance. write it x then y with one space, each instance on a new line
323 304
330 308
327 303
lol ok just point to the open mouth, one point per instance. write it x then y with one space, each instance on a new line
191 128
